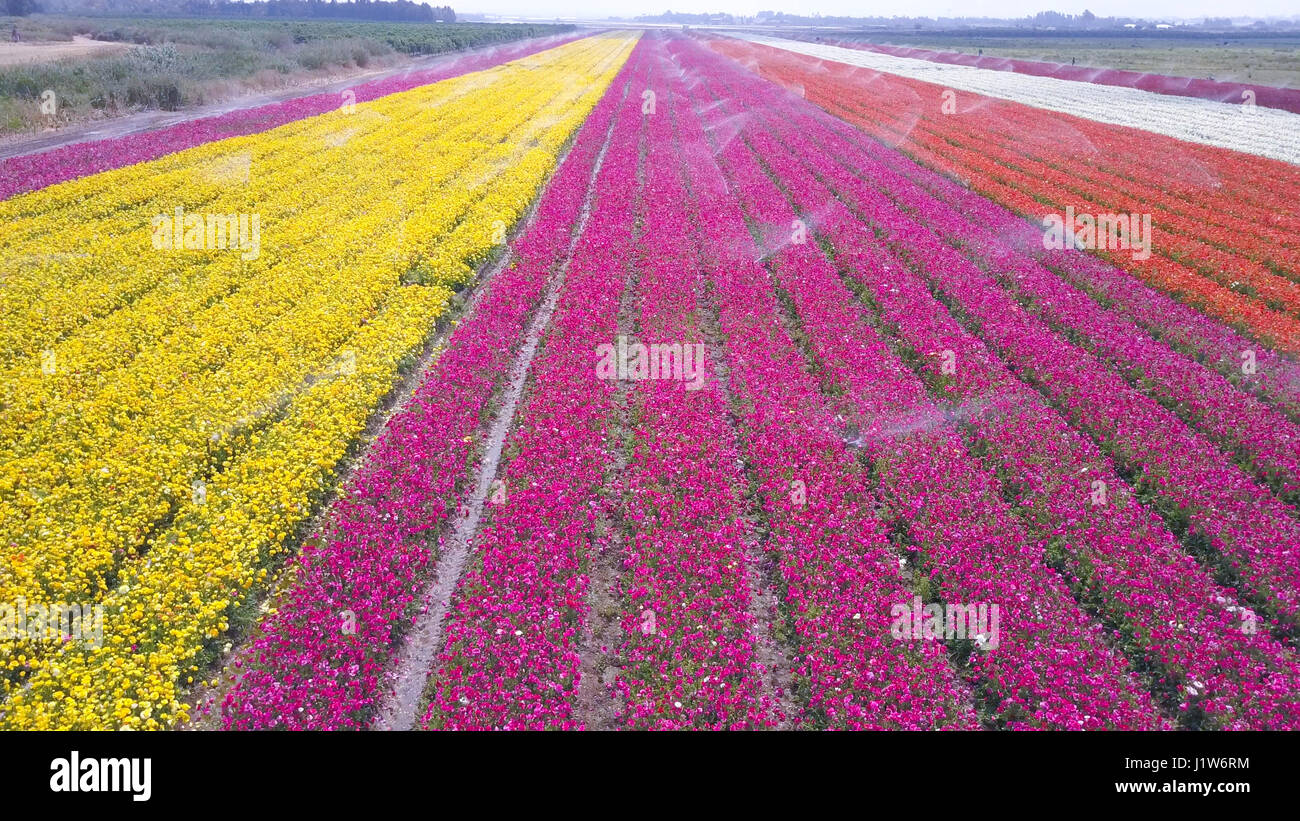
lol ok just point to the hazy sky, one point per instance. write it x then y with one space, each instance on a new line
889 8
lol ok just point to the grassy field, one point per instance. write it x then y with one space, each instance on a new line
173 64
1262 59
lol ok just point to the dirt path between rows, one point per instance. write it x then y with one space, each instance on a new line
597 707
415 661
204 699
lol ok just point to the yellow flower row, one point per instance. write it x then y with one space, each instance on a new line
201 430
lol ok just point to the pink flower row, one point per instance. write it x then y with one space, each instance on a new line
319 660
512 651
29 172
688 654
835 565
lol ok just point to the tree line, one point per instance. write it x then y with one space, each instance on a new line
389 10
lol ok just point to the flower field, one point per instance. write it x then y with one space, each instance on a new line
870 454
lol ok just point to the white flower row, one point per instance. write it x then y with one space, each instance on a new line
1253 129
